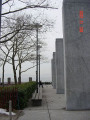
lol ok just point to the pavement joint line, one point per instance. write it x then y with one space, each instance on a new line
48 109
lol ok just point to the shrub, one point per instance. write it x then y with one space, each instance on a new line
24 93
21 93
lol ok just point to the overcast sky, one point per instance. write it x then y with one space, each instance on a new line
50 40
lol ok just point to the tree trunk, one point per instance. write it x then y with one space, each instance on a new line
14 71
19 73
3 74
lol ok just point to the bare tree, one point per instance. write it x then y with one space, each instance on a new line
4 58
22 45
11 6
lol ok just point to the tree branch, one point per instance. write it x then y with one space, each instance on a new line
6 2
28 69
30 6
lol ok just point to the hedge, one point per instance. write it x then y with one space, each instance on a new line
23 94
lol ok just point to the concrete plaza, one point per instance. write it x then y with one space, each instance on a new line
53 108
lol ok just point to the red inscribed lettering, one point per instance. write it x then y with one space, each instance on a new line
81 29
81 14
81 22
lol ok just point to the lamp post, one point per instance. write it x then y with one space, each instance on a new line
39 70
39 46
37 27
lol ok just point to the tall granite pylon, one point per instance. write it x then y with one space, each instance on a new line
59 66
52 72
76 26
53 67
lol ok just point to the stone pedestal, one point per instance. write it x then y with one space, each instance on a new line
77 54
59 67
30 79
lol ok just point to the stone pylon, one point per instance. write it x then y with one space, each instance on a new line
76 26
59 66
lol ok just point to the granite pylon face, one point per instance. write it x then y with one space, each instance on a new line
59 66
54 70
76 32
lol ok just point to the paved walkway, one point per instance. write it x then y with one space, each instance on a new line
53 108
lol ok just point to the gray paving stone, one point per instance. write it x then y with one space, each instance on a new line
53 108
